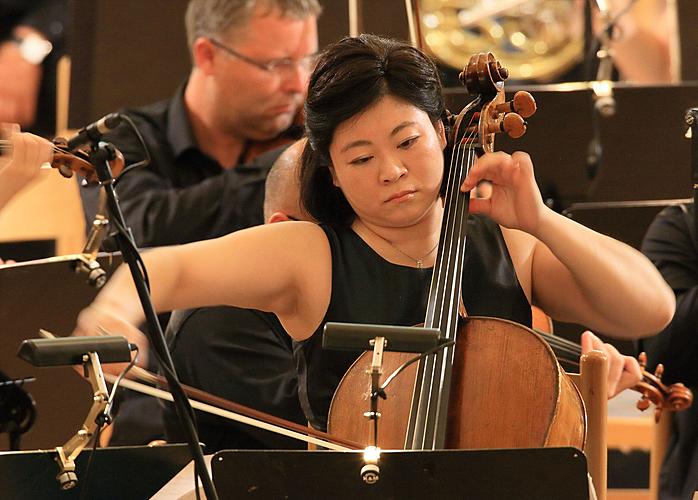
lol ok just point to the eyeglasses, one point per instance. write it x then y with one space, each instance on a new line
283 66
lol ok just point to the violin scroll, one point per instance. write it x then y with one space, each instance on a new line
69 162
675 397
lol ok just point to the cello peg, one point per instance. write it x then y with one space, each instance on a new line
511 123
514 125
523 104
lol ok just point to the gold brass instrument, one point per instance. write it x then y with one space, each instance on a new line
535 39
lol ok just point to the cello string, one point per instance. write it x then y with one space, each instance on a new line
421 407
448 278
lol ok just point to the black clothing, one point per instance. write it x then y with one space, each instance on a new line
670 244
184 195
368 289
50 18
244 356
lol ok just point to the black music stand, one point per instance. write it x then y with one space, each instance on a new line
46 294
524 474
115 473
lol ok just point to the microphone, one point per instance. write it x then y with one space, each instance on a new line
94 131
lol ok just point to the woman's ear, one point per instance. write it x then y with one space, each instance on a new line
334 176
441 130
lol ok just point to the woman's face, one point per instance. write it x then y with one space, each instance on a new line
388 162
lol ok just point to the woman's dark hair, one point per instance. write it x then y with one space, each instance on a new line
353 74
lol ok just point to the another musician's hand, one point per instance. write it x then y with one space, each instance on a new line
21 164
623 371
19 85
96 321
515 201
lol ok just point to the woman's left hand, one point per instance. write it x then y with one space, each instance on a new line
623 371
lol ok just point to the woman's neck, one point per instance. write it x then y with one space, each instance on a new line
414 245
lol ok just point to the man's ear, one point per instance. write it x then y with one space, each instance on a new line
203 54
278 217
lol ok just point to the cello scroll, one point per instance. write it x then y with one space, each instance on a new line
484 76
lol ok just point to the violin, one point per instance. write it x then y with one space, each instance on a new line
78 162
673 397
69 162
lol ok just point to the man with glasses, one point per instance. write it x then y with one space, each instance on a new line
244 96
251 61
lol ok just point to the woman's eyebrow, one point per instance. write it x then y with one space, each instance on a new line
364 142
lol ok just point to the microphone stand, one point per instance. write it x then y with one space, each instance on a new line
691 119
602 88
100 155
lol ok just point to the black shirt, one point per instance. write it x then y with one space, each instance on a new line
244 356
368 289
184 195
670 244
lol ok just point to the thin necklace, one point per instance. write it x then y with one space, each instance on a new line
418 261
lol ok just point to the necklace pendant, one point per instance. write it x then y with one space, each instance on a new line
419 264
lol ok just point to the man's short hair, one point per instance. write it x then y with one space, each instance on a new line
282 186
216 17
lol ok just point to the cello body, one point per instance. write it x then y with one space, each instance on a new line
507 391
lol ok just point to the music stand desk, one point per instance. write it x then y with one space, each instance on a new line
116 473
524 474
46 294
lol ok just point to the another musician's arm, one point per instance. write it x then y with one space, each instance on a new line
20 160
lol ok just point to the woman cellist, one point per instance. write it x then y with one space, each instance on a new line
371 175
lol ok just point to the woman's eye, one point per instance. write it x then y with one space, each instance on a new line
360 161
408 142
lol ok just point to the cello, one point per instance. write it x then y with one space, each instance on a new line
464 397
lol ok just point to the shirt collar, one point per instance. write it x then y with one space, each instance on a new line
179 131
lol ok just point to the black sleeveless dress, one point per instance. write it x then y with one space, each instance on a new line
368 289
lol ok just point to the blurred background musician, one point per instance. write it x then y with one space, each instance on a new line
250 66
32 40
671 245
